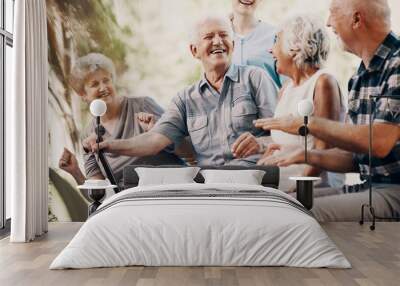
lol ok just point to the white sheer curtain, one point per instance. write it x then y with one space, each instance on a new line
26 124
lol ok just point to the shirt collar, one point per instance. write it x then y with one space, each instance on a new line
232 74
385 49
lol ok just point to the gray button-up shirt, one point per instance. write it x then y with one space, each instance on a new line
215 120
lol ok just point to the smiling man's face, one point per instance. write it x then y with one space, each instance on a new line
215 45
245 6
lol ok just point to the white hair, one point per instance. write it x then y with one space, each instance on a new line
306 35
88 64
194 32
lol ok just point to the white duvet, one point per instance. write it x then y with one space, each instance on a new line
205 231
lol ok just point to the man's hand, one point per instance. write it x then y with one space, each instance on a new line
146 120
90 144
68 162
245 146
282 155
289 124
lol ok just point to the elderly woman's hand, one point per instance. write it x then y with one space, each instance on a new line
90 145
289 124
68 162
146 120
282 155
245 146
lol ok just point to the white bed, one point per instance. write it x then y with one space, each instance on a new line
223 225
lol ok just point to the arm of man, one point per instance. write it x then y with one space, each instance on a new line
334 160
151 113
354 138
171 128
145 144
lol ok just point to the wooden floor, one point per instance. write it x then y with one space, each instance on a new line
375 257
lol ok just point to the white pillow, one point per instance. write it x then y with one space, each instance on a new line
246 177
166 176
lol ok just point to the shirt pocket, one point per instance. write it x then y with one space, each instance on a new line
244 112
198 131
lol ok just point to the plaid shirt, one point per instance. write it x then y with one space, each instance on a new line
381 78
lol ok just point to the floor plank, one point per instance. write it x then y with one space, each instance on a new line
375 257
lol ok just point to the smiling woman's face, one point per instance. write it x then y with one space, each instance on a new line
98 85
283 60
245 7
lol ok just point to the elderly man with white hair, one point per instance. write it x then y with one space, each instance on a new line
215 111
364 29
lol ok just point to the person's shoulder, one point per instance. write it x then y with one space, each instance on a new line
254 72
251 69
140 99
394 60
326 81
190 90
135 101
326 77
267 28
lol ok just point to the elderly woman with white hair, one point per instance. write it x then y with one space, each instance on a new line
93 77
301 48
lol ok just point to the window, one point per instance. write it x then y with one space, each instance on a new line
6 61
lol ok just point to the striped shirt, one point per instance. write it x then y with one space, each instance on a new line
381 78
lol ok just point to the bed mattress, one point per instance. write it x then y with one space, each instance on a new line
201 225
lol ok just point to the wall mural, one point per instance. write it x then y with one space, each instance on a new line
146 44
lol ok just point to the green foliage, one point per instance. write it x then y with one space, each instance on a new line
93 28
75 204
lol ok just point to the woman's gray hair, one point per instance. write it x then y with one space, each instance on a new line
307 36
88 64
